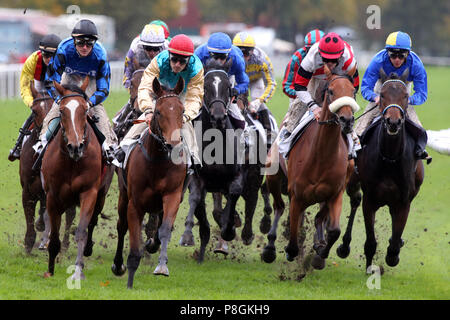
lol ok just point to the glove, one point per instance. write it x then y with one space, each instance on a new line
90 104
254 105
234 92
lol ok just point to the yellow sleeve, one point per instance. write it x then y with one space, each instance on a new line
194 96
26 77
145 90
269 79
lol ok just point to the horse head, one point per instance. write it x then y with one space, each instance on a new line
217 97
42 102
168 116
393 100
339 97
73 107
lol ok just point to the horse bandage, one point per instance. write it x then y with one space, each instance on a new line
344 101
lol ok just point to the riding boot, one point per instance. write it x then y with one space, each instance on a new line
41 146
264 118
14 153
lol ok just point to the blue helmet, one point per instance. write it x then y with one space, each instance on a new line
219 42
398 40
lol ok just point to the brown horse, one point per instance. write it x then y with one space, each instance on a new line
74 173
388 172
30 179
155 183
318 171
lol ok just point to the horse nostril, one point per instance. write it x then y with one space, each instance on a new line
69 147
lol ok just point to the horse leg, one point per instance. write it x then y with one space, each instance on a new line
269 254
228 230
29 207
87 204
370 246
217 211
100 202
118 268
195 196
319 237
46 233
204 228
39 224
264 225
296 212
70 216
134 218
250 206
55 223
152 244
399 217
353 191
171 203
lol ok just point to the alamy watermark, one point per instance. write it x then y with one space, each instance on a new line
374 19
374 281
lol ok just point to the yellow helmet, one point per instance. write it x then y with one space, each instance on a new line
243 39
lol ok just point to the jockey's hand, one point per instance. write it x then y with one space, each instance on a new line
316 110
148 117
377 100
254 106
234 94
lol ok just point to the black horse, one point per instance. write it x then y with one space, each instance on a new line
222 157
388 171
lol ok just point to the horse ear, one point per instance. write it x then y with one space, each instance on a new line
405 75
180 86
34 92
327 72
59 88
85 84
157 87
383 75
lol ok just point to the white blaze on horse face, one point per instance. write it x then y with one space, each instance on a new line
72 106
216 83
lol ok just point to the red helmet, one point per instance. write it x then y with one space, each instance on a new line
331 46
181 44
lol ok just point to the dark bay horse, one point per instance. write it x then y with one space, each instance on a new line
30 179
154 183
222 169
74 173
388 172
318 171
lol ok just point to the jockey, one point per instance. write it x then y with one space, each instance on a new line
262 80
338 55
77 57
34 70
220 47
146 46
395 57
292 67
168 66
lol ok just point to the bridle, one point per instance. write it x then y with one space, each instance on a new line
226 105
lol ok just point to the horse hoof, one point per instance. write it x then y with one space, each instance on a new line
43 245
269 255
78 275
161 270
118 271
151 246
392 261
246 239
264 225
343 251
39 224
318 263
228 236
88 249
222 248
187 240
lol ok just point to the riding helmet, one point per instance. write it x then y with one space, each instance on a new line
219 42
163 25
85 28
313 36
182 45
152 35
398 40
331 46
243 39
49 43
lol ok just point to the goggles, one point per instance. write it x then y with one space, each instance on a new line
246 51
325 60
47 54
81 42
218 56
178 58
397 54
151 48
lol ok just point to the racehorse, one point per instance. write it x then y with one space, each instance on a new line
30 179
221 169
154 183
388 172
74 173
124 118
318 171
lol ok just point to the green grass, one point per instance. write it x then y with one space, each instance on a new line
423 272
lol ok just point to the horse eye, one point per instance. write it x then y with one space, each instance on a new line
330 92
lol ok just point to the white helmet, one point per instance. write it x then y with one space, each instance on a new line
152 35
